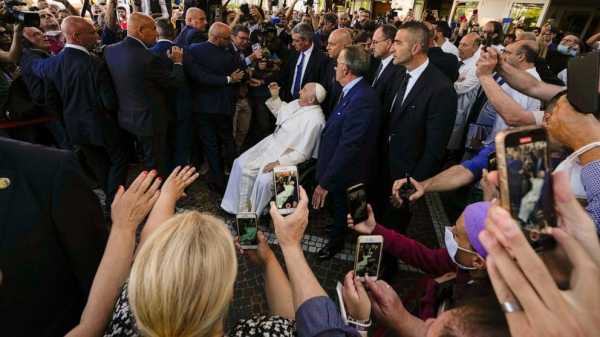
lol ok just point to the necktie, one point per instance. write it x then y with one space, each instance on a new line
377 73
397 104
298 79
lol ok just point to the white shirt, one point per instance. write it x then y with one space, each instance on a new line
449 47
414 77
307 54
467 76
384 64
529 104
74 46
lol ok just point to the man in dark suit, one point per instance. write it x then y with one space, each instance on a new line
305 65
51 242
213 71
338 40
348 142
422 109
84 87
383 72
194 29
140 79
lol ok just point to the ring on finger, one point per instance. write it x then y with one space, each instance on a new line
511 307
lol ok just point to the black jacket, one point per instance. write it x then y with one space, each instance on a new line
52 238
314 72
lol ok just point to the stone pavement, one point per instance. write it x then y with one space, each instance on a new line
249 298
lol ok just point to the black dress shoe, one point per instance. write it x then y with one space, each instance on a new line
329 250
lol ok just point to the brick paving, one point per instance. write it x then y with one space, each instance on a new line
249 298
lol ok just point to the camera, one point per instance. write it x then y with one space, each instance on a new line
13 15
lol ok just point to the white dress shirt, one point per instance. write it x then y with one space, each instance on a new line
449 47
467 76
307 54
414 77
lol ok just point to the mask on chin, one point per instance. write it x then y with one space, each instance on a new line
573 168
453 248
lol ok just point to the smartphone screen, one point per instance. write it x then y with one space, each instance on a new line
356 197
287 194
368 256
583 83
528 184
247 230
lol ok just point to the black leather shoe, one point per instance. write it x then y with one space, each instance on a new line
329 250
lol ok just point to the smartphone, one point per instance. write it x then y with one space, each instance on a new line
367 259
583 87
247 227
287 192
492 162
406 190
356 197
525 179
338 290
255 46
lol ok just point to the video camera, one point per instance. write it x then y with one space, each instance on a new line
13 15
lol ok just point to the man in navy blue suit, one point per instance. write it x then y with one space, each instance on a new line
213 71
142 80
87 98
194 29
348 142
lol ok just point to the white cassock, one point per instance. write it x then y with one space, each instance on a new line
295 140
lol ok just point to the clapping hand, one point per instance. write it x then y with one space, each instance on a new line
175 54
274 89
175 185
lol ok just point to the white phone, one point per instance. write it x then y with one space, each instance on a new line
338 289
367 259
287 191
247 227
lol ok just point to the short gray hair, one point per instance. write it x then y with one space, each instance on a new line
305 31
356 59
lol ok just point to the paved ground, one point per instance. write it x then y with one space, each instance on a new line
426 226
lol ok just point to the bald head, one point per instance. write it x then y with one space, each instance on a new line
526 36
338 40
219 34
468 45
196 18
521 54
79 31
142 27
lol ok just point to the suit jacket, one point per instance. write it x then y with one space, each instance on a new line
34 84
447 63
140 79
386 79
208 66
188 36
349 139
314 71
52 238
334 89
417 136
161 48
85 90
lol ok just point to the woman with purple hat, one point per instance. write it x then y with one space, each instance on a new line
463 255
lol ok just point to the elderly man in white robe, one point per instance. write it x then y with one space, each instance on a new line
295 140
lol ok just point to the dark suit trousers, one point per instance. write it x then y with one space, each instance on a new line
216 132
96 157
338 228
155 153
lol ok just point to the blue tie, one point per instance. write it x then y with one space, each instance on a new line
298 79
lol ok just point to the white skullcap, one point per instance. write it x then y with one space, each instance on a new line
320 92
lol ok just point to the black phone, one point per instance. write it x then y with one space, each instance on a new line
526 182
356 197
583 83
245 9
406 190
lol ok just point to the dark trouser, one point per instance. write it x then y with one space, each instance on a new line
155 154
262 123
216 131
338 228
59 134
96 157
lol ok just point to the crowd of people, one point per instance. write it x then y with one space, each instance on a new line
356 99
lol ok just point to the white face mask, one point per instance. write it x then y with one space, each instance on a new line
453 248
572 167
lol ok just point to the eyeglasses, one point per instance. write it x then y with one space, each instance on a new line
374 42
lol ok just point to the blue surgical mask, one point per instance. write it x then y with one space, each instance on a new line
565 50
453 248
